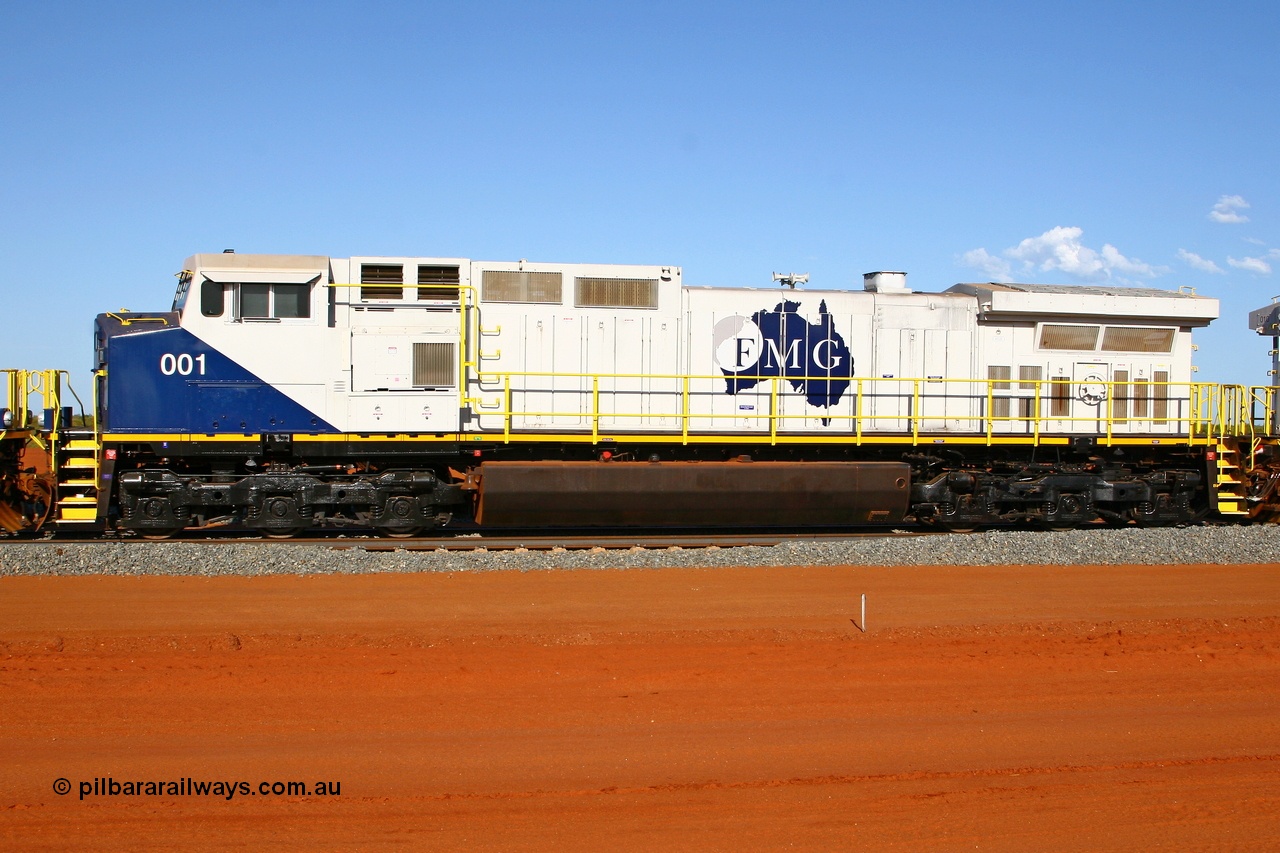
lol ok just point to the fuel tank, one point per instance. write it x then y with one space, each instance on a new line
738 493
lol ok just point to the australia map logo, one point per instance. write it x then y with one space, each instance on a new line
782 342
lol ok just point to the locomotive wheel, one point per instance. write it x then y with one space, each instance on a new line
1067 515
286 520
406 516
399 532
957 520
958 526
1158 514
1058 524
284 533
157 535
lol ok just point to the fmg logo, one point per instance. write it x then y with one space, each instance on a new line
812 356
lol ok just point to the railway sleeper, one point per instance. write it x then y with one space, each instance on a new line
159 502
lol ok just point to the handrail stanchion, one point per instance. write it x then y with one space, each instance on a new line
915 411
858 412
990 413
506 405
595 409
1111 409
1035 415
773 410
684 410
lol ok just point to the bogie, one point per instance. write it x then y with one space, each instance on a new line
283 502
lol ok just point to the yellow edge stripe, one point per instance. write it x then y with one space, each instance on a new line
124 437
659 438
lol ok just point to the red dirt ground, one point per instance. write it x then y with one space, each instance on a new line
1005 709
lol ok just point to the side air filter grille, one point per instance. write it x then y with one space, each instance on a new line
433 365
521 286
616 293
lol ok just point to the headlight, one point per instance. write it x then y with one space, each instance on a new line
6 418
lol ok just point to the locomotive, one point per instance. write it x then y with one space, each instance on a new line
283 393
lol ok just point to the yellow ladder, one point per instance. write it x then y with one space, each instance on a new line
78 470
1230 485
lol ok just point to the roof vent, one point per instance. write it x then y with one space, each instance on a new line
885 282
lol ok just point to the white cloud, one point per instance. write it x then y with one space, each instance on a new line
1060 249
997 268
1116 262
1255 265
1226 210
1196 262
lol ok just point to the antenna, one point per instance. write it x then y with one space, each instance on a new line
791 279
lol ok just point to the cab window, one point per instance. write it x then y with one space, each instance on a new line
275 301
213 301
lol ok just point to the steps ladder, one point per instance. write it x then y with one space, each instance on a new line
1230 485
78 470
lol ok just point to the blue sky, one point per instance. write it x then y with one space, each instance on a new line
1064 143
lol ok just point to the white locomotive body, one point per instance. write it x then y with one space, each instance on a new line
446 345
434 382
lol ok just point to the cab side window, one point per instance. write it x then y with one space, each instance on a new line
213 301
275 301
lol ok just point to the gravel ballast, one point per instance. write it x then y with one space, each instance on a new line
1167 546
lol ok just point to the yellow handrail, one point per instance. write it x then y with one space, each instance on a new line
129 321
1187 411
21 385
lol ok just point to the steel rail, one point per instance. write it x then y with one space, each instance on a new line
519 541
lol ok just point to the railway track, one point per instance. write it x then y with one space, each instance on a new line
545 542
527 550
540 540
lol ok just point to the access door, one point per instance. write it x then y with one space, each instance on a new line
405 382
1090 393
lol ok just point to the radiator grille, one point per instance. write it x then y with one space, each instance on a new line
390 274
521 286
441 277
1060 398
1160 410
999 376
1028 376
1028 379
1068 337
1141 399
616 293
1120 395
433 365
1131 339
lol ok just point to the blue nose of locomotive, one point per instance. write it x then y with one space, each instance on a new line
160 378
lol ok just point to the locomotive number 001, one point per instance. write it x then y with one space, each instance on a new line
182 364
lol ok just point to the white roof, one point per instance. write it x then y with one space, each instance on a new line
1089 300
